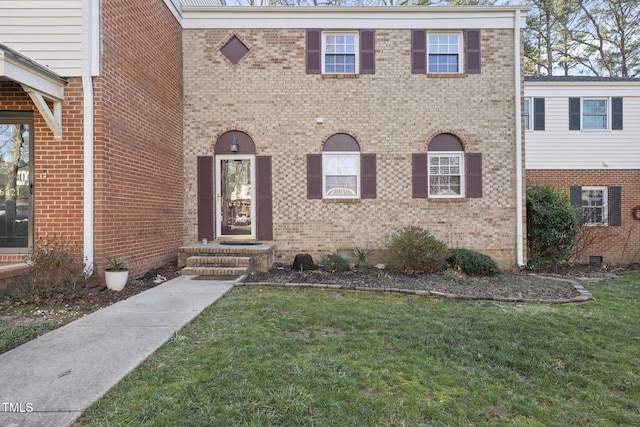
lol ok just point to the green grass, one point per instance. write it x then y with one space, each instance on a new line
14 335
337 358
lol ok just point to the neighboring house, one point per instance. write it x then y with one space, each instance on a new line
583 136
91 121
325 129
133 128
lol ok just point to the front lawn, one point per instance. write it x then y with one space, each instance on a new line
339 358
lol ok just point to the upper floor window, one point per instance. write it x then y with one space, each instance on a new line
444 53
439 52
527 113
595 114
340 52
534 114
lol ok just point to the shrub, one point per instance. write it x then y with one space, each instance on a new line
414 250
552 225
472 263
56 271
363 256
334 262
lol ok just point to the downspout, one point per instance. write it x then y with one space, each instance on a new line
519 174
89 25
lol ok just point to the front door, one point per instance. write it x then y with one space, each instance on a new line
16 138
235 195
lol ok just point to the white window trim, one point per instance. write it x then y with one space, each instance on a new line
325 154
460 50
607 119
462 174
341 33
530 102
605 206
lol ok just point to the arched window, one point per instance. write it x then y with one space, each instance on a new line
446 166
446 171
341 167
341 171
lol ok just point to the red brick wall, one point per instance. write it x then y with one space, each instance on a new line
138 154
617 245
58 198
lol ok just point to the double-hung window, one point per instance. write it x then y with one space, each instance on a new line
444 53
339 53
341 174
527 114
446 173
534 115
594 205
594 114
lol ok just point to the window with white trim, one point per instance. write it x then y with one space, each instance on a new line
446 174
527 114
594 114
594 205
444 53
340 53
341 175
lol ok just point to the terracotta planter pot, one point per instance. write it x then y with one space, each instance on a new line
116 280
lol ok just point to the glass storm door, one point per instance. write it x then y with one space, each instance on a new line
235 191
15 184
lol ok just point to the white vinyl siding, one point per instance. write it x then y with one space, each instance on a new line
559 148
48 32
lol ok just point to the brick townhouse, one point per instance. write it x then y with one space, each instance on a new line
583 137
149 125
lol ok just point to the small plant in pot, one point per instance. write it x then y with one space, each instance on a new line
116 274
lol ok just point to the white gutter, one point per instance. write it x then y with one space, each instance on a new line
90 25
519 176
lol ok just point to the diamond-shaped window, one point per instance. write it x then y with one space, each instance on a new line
234 50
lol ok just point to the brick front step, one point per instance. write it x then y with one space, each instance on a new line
262 255
218 261
214 271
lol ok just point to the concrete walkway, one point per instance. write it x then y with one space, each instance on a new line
49 381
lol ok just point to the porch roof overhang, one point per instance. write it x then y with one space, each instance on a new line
42 85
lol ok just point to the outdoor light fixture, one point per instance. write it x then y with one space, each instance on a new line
234 145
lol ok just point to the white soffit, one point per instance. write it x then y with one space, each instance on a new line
389 17
40 83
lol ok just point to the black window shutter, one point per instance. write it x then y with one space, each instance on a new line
574 113
418 51
264 202
367 176
419 177
615 206
616 113
472 42
538 113
474 174
367 51
575 196
205 197
314 51
314 176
